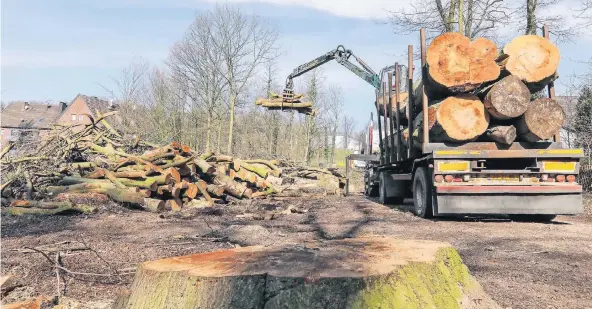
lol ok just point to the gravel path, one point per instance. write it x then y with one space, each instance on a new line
521 265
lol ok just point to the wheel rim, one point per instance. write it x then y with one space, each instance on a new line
419 197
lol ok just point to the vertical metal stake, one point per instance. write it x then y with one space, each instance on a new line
386 125
397 108
424 78
551 87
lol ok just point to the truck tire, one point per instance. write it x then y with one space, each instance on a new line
422 193
532 218
383 198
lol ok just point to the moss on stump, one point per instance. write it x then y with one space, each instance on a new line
367 272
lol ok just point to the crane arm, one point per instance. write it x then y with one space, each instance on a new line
341 55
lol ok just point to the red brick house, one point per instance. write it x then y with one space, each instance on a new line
37 118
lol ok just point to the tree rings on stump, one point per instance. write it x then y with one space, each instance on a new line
543 118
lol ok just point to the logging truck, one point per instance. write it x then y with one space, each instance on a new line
475 143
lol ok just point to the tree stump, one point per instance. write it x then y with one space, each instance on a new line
367 272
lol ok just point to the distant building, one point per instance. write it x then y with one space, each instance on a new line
28 118
567 134
37 118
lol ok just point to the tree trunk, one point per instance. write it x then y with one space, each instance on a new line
531 17
543 118
457 65
209 131
507 98
367 272
153 205
502 134
461 17
533 59
403 100
231 122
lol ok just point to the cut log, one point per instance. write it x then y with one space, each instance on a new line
274 170
543 118
367 272
128 174
533 59
129 195
502 134
191 191
403 100
215 190
455 119
507 98
231 187
286 105
175 175
148 183
49 208
457 65
175 204
153 205
203 166
203 189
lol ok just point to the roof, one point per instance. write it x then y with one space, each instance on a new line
37 115
568 103
94 103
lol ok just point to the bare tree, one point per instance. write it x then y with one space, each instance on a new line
348 130
533 14
334 111
473 18
244 43
197 67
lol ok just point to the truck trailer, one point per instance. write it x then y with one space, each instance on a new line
532 181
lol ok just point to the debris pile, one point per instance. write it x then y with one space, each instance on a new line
97 159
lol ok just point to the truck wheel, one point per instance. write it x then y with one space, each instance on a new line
532 218
372 191
422 193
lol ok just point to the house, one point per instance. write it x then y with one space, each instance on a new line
38 118
567 134
28 118
78 110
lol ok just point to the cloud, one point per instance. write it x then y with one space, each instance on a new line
366 9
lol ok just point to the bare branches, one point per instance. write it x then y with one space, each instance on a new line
479 17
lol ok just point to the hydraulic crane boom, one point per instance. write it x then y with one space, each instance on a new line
341 55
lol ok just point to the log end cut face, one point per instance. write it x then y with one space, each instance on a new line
459 64
355 257
532 58
544 117
463 117
508 98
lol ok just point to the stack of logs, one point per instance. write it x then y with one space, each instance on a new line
96 158
474 94
277 102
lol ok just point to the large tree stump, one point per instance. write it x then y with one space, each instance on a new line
507 98
457 65
367 272
543 118
533 59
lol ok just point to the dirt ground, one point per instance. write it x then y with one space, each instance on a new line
521 265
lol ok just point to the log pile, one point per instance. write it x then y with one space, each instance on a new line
96 159
476 95
277 102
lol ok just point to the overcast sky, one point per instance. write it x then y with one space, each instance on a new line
53 50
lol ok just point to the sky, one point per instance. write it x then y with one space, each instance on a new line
53 50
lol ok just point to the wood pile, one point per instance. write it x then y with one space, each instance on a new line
476 95
96 159
277 102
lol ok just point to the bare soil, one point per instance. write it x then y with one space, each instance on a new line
521 265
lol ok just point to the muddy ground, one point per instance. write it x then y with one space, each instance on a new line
521 265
